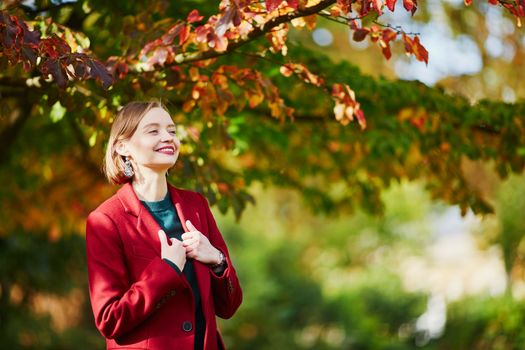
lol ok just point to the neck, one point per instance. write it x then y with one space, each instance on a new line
149 185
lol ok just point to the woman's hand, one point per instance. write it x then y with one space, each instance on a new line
175 252
198 246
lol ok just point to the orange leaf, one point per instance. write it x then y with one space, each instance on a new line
410 5
286 71
387 52
420 51
391 4
389 35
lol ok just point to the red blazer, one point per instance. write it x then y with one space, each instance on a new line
139 301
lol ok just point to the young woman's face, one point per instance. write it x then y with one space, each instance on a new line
154 144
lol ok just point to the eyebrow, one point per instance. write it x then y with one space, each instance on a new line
157 125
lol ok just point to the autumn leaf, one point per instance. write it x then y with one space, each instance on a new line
99 72
303 72
173 32
53 67
360 34
413 46
387 36
272 4
391 4
346 106
410 5
194 16
387 52
286 71
378 6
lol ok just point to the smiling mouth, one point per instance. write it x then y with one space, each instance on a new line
166 150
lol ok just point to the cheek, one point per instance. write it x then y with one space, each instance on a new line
141 149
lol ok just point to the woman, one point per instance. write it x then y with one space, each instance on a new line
159 270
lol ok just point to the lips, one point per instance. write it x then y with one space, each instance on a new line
166 150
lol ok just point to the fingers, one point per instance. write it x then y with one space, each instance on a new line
190 242
187 235
190 226
163 238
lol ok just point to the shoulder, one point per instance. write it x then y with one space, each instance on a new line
110 206
187 195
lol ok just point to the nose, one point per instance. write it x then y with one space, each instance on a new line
167 136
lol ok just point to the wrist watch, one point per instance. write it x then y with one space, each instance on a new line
222 260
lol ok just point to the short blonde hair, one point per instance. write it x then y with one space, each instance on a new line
123 128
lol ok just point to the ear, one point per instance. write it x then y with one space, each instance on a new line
122 148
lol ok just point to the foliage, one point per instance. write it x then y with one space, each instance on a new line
252 107
484 323
41 280
248 98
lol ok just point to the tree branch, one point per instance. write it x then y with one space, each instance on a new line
256 33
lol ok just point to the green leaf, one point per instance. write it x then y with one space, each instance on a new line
57 112
93 139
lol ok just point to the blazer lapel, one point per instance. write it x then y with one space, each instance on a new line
147 227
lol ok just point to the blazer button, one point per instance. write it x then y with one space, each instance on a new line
187 326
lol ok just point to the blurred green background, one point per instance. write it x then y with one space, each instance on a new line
342 239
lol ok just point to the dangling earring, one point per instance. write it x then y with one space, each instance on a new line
128 169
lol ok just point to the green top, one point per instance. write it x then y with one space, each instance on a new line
166 216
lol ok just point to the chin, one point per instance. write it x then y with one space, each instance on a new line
161 166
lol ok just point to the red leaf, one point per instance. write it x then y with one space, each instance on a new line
360 117
12 29
408 44
389 35
386 52
174 31
273 4
54 46
420 51
53 67
194 17
360 34
99 72
184 34
413 46
29 54
293 4
391 4
378 6
410 5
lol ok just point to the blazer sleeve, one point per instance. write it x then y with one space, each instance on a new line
226 289
119 305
